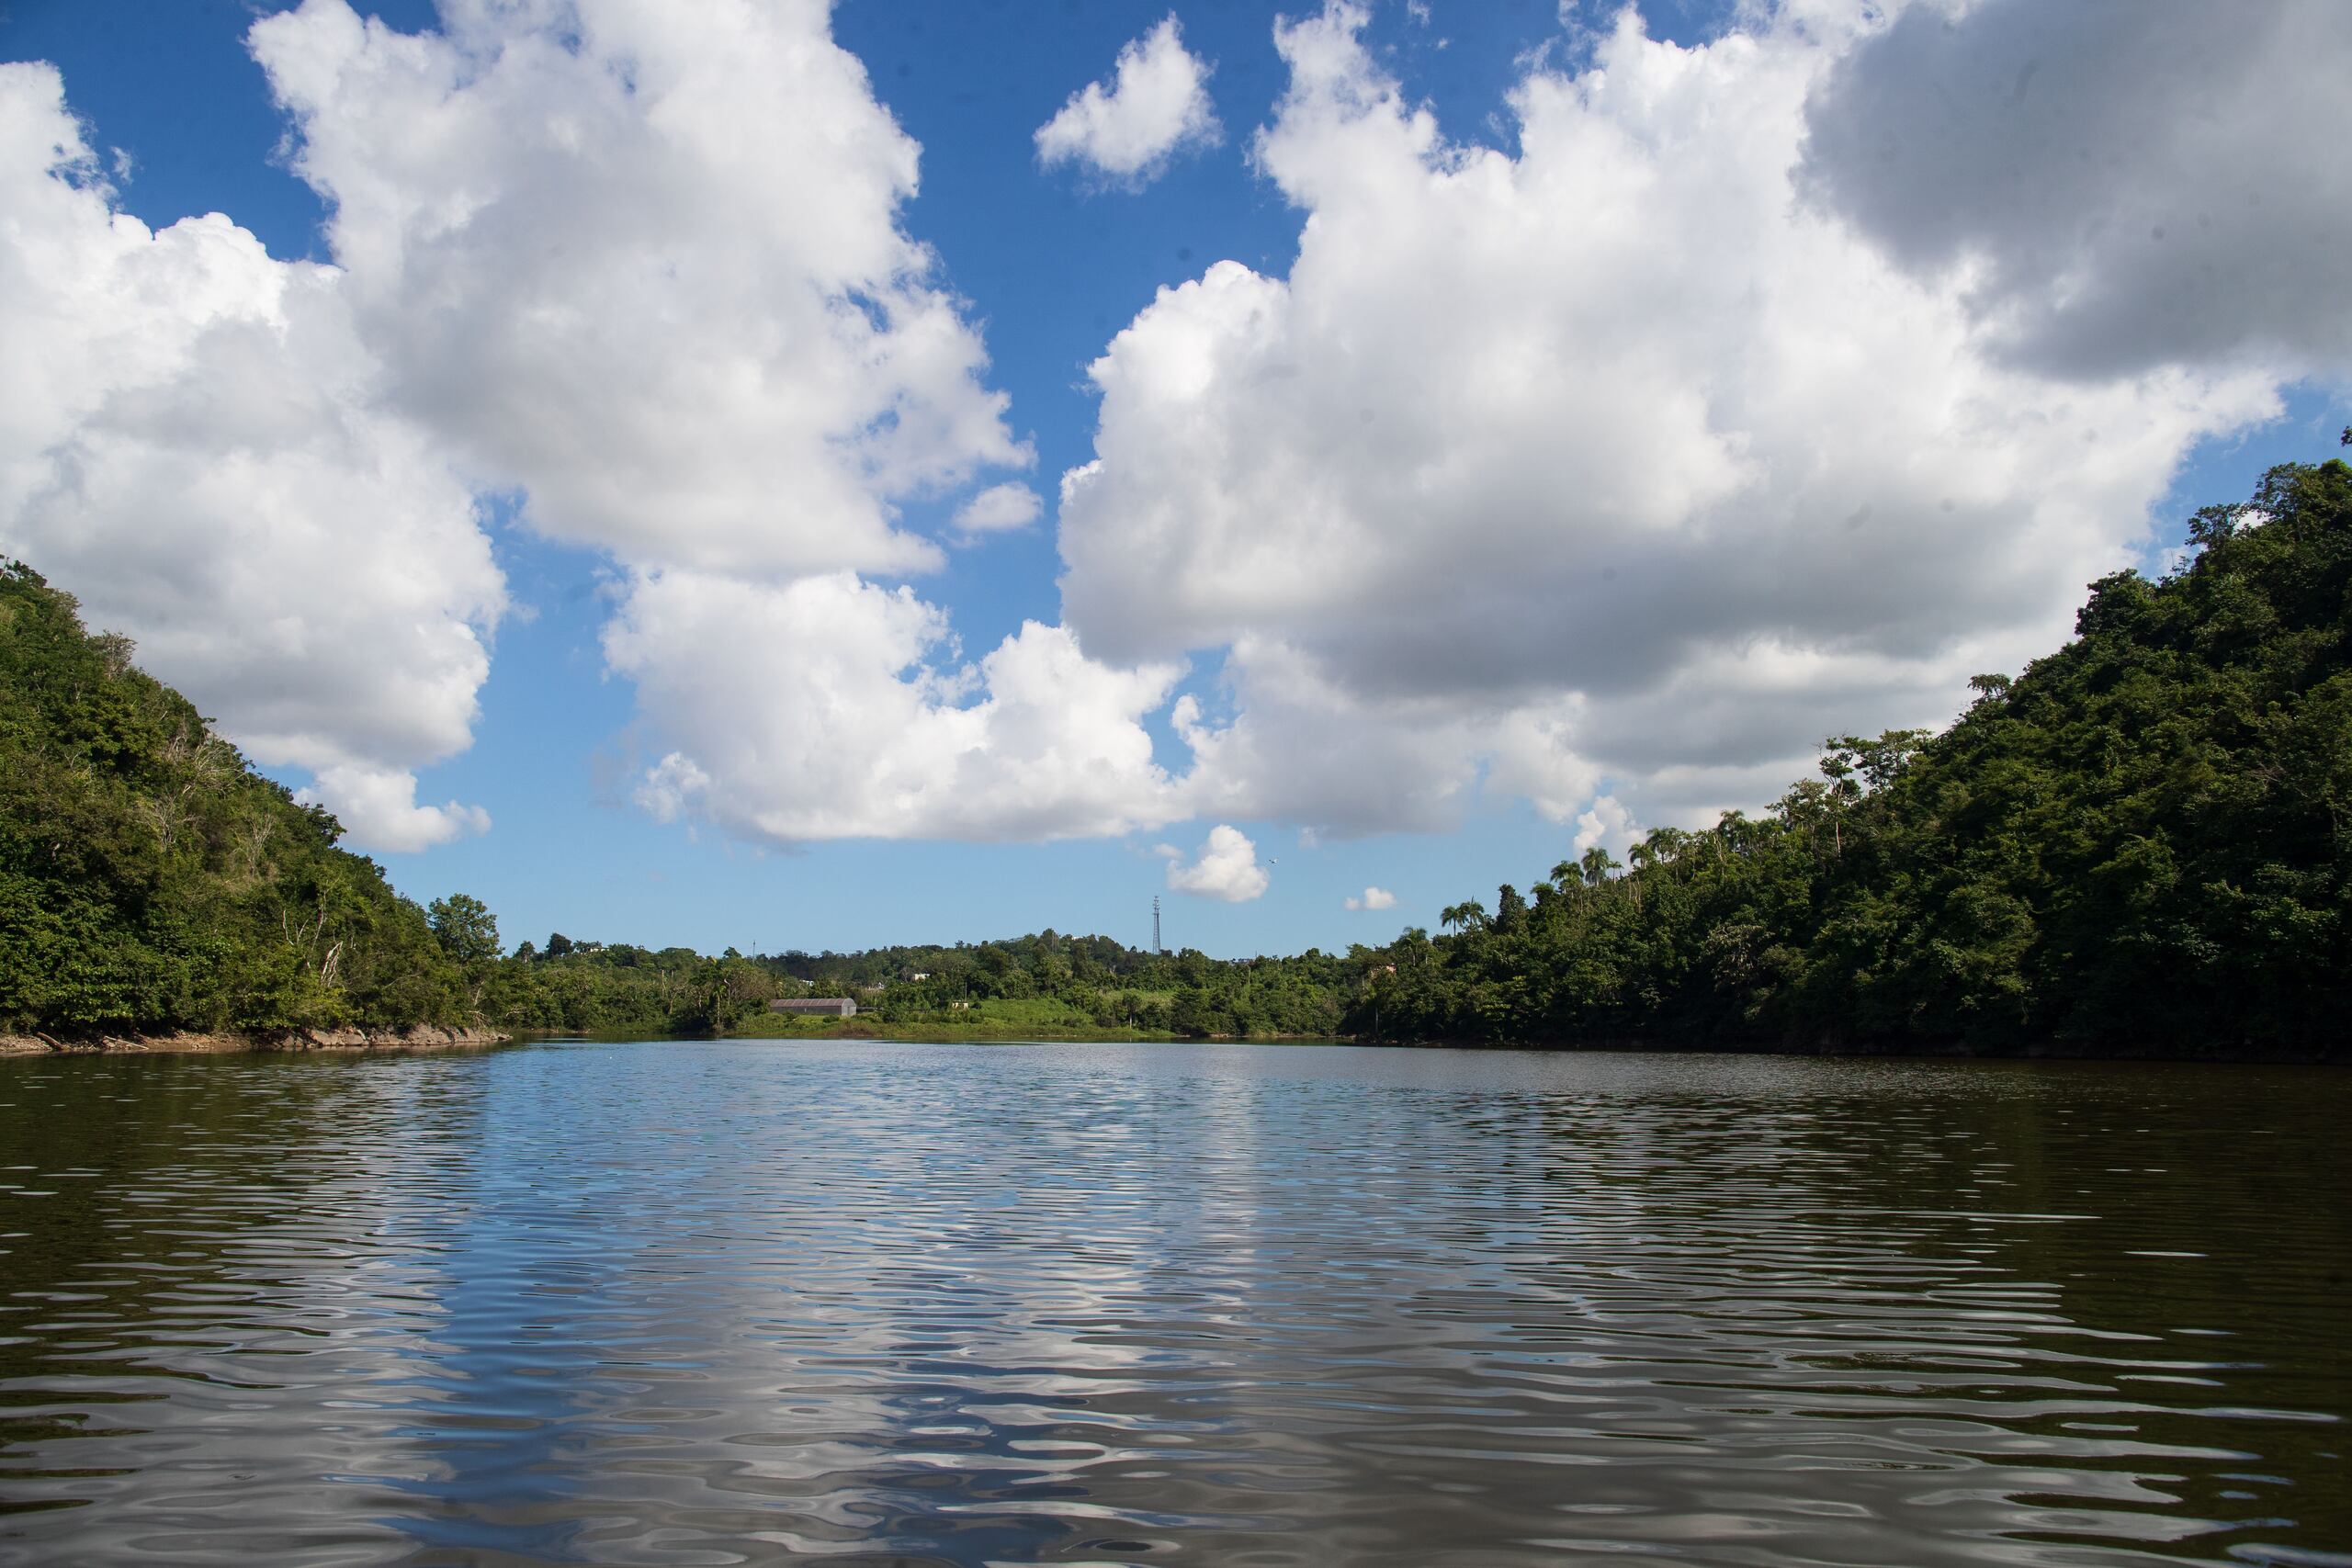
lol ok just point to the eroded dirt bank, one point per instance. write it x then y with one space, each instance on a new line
422 1037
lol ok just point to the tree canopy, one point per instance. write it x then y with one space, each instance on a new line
2141 844
150 880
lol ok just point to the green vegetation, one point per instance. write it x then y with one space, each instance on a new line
2142 845
1090 982
150 881
1033 987
2139 846
589 988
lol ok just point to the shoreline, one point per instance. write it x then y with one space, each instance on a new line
430 1037
2272 1054
186 1042
1844 1050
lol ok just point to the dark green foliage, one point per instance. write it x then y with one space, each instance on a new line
2142 845
150 880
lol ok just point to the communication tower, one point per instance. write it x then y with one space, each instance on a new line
1155 925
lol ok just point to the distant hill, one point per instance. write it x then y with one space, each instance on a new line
150 881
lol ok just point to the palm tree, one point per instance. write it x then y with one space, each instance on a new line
1468 916
1597 865
1666 844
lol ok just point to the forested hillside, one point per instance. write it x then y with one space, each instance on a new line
2139 846
150 880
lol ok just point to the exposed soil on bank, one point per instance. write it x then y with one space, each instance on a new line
422 1037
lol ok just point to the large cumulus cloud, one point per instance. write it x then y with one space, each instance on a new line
646 266
190 441
645 263
1612 458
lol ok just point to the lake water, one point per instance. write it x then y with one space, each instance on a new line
1220 1304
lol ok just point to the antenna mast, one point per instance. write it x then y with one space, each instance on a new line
1156 947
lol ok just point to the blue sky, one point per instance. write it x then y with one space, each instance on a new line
1438 778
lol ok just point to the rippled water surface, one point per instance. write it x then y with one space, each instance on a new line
1232 1305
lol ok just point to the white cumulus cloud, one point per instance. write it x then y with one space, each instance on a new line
840 711
1226 867
999 509
645 263
1619 463
1156 106
192 442
646 266
379 806
1372 898
1608 826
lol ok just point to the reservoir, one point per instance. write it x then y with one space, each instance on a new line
1222 1304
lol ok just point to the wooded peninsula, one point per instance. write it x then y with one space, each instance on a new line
2137 846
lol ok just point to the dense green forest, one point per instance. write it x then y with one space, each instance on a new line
2138 846
151 880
